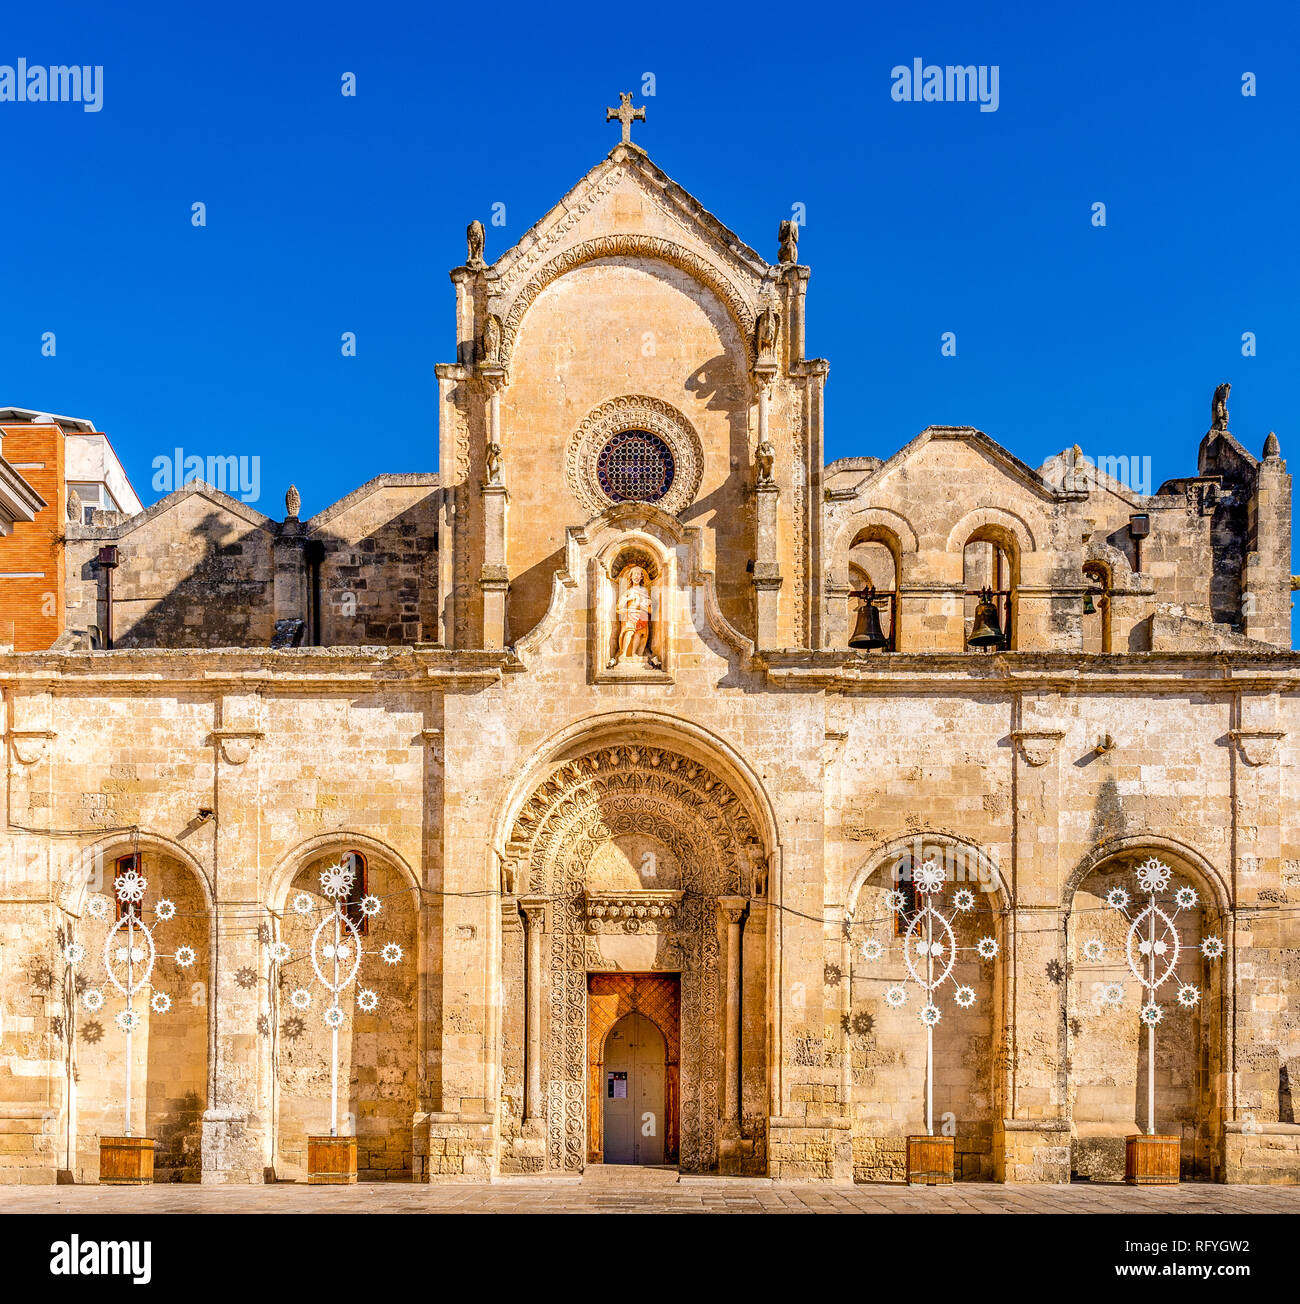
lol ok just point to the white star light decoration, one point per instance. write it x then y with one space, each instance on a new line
129 957
335 950
1152 949
129 951
336 954
930 947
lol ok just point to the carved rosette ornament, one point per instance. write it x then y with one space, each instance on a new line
585 802
635 412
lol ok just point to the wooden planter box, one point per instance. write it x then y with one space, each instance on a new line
1152 1160
332 1160
126 1160
930 1160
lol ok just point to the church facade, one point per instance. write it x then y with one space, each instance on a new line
581 710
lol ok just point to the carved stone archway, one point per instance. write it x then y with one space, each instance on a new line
586 802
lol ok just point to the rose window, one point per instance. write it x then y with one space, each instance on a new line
635 466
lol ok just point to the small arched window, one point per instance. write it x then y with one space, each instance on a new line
873 581
360 888
989 579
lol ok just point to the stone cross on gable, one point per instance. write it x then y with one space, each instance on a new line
626 115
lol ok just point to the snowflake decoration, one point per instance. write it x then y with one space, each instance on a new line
303 904
370 906
1153 876
294 1027
300 999
127 1020
895 997
987 948
1117 898
963 899
246 977
93 999
895 900
965 997
279 951
1112 994
164 910
74 953
185 956
130 886
392 953
335 881
1093 949
929 877
1185 898
872 949
333 1017
930 1015
1152 1014
367 999
1188 996
97 907
160 1003
1212 948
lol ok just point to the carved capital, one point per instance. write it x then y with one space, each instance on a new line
29 745
637 911
1037 746
732 908
1257 746
534 910
236 744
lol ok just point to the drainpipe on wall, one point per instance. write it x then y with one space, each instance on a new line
108 564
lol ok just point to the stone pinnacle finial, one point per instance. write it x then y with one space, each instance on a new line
626 115
1271 447
292 502
1219 408
475 238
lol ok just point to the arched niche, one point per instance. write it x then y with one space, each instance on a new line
170 1068
379 1051
883 1046
1107 1089
633 580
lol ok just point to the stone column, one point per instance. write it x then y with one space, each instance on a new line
534 911
494 579
731 911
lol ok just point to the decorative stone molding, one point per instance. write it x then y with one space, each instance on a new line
29 745
635 412
1257 746
433 740
1037 746
643 911
236 744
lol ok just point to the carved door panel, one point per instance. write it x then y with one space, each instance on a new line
633 1092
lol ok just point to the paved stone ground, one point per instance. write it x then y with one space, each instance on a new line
661 1193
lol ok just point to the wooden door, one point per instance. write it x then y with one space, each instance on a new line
632 1095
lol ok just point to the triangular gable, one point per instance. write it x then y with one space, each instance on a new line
249 515
1008 462
390 480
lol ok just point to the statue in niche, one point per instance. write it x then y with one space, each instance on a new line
633 613
492 339
494 465
766 459
789 237
475 237
765 333
1219 408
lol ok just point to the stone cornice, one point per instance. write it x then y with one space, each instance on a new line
839 670
255 669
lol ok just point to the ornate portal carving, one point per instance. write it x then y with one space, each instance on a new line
620 792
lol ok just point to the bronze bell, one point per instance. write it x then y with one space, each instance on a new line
867 633
987 631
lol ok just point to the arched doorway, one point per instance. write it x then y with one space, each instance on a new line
634 1092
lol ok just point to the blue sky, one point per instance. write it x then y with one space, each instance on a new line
329 214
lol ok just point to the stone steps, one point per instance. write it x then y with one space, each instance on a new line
635 1177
